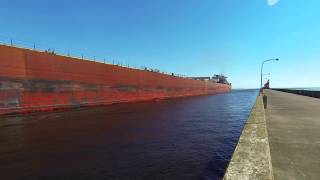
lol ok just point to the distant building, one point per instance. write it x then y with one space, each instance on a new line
267 85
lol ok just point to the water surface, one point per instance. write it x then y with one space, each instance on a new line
185 138
307 88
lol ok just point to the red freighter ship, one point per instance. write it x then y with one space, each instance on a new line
40 81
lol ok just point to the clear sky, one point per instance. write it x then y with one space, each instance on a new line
190 37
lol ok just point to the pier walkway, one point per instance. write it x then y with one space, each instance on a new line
293 124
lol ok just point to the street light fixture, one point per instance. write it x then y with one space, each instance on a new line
276 59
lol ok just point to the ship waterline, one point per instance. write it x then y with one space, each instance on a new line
40 81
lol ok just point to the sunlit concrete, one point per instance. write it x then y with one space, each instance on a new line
251 159
293 123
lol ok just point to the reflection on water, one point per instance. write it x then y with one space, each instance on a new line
186 138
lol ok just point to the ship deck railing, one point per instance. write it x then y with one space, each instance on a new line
36 47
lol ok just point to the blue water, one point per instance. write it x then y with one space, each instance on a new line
185 138
307 89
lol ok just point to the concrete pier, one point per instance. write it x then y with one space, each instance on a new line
293 123
251 159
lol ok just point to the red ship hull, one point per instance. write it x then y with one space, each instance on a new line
39 81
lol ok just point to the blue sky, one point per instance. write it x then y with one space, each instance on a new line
190 37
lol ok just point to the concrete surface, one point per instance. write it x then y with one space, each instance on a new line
251 159
310 93
294 135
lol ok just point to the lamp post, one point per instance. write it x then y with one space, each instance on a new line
262 69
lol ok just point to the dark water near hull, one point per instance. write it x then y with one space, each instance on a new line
186 138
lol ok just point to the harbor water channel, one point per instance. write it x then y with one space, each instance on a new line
183 138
